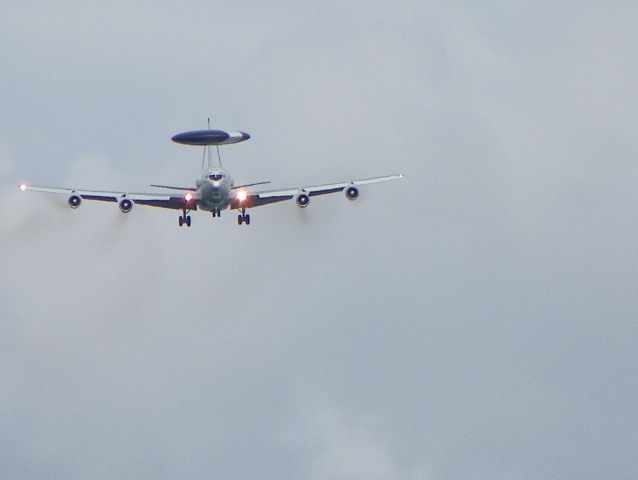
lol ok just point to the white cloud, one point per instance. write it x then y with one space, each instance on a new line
337 445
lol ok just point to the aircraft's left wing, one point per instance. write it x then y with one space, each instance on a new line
163 200
303 194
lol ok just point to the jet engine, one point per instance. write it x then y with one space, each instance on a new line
74 201
352 192
303 200
125 205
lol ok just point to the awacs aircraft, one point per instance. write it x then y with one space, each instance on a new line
215 190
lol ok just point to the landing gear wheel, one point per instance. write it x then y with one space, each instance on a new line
243 217
184 219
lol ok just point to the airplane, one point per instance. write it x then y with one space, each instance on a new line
215 190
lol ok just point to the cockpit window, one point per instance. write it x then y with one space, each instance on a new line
216 177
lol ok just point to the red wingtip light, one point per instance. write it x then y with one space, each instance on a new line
22 187
241 195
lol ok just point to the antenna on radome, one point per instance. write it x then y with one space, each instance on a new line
207 149
219 158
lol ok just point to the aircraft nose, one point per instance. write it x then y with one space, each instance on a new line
244 136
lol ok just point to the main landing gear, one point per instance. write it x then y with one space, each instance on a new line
216 212
243 218
184 219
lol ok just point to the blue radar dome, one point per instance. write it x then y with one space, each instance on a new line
210 137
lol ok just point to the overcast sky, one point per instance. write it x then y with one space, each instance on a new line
476 320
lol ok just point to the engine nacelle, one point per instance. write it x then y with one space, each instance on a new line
352 192
125 205
303 200
74 201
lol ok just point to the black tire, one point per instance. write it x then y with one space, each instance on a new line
247 219
188 221
181 220
240 219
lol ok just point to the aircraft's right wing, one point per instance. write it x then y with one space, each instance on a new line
163 200
242 199
170 187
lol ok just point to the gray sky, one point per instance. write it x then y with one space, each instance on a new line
477 320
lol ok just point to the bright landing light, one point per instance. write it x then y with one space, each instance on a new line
241 195
22 187
188 197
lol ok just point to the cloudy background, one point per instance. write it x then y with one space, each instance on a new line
476 320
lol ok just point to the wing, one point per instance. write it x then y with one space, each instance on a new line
170 187
168 200
256 199
236 187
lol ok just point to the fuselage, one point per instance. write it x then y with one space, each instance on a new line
214 190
